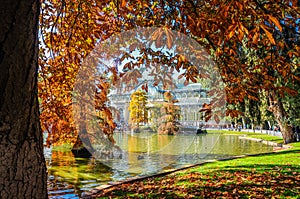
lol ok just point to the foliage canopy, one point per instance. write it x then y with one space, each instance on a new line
254 43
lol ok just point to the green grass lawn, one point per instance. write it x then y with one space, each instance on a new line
275 175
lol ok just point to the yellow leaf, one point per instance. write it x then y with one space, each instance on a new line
89 40
232 31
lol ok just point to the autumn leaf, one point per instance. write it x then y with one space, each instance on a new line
123 3
181 76
169 36
269 35
276 22
255 38
217 119
231 31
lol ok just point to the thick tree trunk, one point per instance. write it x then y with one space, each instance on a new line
22 165
276 107
287 132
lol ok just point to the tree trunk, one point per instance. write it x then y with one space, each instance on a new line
287 132
276 107
83 147
22 164
244 123
80 151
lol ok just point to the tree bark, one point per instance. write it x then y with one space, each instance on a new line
276 107
22 164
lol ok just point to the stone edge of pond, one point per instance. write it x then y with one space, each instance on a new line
92 193
277 147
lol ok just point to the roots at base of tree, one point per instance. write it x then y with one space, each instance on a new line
201 131
136 130
79 150
81 153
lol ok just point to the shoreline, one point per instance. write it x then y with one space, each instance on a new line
276 148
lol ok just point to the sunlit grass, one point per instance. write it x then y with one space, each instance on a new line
285 159
62 148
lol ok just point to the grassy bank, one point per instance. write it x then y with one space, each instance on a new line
62 148
275 175
251 135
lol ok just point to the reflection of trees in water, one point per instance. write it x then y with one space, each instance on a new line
158 151
69 174
230 145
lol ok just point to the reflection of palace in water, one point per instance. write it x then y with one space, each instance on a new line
190 99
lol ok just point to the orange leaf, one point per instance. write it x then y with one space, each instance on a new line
123 3
269 35
232 31
169 36
217 119
255 38
276 22
180 76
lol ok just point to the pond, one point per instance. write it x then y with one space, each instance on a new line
143 154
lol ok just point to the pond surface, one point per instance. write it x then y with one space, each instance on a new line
143 154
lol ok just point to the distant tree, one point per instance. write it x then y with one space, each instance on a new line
254 113
155 115
169 121
138 109
100 119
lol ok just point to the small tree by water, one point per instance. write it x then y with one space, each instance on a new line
169 122
138 109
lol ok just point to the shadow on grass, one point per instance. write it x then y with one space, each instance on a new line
218 184
271 176
222 184
271 181
248 178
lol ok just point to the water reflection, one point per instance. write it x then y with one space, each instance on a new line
69 176
142 154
